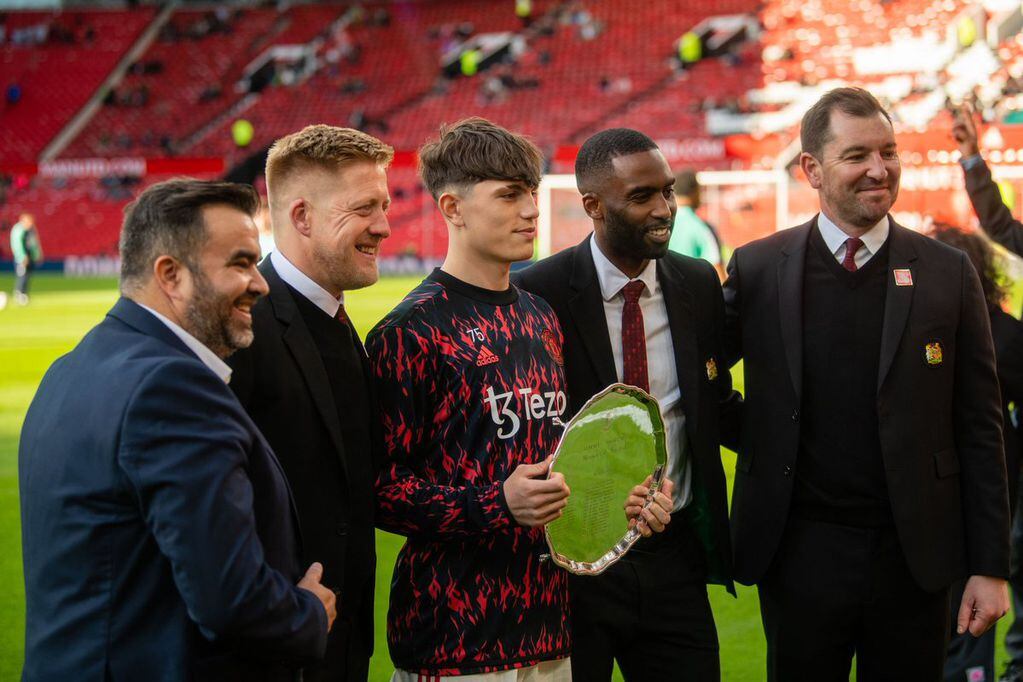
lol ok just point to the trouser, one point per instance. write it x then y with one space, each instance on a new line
835 591
649 612
22 271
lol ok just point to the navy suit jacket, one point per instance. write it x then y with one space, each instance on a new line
158 530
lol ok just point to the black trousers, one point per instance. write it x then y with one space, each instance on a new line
834 591
649 612
346 658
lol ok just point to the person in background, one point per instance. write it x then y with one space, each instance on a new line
28 253
997 221
969 655
691 235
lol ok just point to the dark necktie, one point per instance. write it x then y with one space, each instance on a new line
634 368
342 315
852 245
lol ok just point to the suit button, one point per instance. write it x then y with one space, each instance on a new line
795 415
787 470
342 529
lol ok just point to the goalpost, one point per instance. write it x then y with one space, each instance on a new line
741 204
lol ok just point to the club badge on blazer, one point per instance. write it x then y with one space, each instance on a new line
712 369
933 354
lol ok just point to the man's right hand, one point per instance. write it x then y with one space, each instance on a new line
964 130
532 498
311 583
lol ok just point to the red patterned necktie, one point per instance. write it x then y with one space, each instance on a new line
342 316
852 245
634 369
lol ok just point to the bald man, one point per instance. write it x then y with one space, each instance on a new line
304 380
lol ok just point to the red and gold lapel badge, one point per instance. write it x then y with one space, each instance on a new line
712 370
932 353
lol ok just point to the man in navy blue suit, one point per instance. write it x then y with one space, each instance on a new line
159 534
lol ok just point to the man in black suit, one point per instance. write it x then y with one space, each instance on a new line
649 611
159 536
305 380
870 474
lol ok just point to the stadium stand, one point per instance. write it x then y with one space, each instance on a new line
578 66
57 61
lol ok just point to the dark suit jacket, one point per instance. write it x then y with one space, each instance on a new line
281 381
940 424
1007 333
692 294
995 217
158 532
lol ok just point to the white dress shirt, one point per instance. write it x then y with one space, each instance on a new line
300 282
660 354
208 357
873 239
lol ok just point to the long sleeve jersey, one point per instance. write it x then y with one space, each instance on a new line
471 385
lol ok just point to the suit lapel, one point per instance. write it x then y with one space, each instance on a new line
790 301
586 307
678 301
898 299
303 351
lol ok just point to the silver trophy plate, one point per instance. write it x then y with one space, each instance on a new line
613 443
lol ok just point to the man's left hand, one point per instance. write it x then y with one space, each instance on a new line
652 519
985 600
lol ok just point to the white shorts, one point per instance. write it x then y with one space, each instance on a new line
545 671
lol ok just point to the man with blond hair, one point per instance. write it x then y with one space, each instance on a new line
305 381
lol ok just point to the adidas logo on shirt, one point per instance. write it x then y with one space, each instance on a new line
486 357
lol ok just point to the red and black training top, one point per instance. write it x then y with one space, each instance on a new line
471 384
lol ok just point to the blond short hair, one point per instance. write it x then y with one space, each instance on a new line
321 147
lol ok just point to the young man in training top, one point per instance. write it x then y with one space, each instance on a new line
472 392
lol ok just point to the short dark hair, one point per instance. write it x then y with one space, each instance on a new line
475 150
166 219
593 163
815 128
980 253
686 183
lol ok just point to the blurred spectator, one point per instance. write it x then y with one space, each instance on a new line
13 94
691 235
28 253
966 653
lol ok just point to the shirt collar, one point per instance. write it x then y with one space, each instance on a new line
300 282
873 239
612 280
208 357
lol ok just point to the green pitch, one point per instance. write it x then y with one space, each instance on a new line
61 311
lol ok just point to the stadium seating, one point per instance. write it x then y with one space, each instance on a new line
59 75
587 65
179 99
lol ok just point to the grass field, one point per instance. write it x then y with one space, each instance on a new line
62 310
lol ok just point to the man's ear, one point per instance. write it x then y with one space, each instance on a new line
300 215
450 205
593 206
811 169
171 276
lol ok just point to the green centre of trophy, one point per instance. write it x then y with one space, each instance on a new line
608 448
